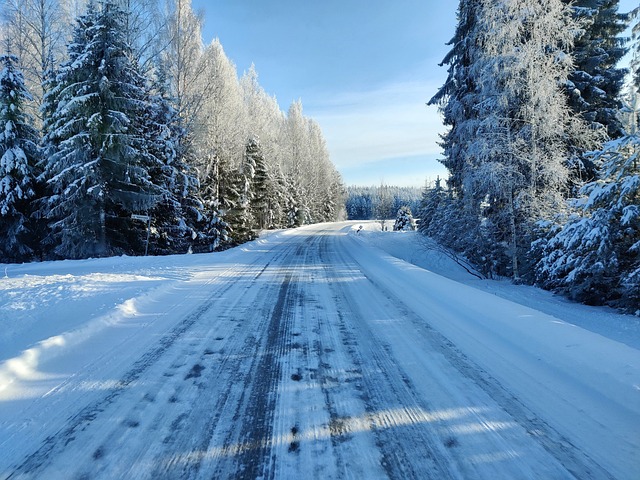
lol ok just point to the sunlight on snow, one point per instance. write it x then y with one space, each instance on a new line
25 367
128 307
494 457
385 419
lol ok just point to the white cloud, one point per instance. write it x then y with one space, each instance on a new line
384 123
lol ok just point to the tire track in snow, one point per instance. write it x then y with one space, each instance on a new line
381 387
248 449
578 464
56 443
257 425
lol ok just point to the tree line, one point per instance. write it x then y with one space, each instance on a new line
114 111
542 147
380 201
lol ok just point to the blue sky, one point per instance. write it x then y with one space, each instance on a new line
364 70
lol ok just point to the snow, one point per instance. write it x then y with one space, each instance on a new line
412 248
317 352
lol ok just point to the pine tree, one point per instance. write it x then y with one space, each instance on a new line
596 81
263 192
181 219
595 84
458 96
99 167
635 61
429 204
18 159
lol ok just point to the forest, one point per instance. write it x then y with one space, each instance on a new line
121 132
380 201
542 147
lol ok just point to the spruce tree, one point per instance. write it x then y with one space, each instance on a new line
595 257
181 219
458 96
404 220
635 61
429 204
261 186
595 84
596 81
18 160
99 166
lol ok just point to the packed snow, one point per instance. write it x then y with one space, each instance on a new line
328 351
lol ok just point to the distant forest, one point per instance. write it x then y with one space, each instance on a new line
382 201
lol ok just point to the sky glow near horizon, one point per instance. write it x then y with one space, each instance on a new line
363 72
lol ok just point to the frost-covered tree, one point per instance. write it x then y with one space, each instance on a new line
384 205
514 171
404 220
635 61
99 166
595 82
181 55
263 197
595 257
218 126
37 31
264 119
181 220
429 204
18 159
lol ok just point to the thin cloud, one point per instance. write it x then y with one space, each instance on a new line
389 122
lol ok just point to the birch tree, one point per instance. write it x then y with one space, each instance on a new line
37 31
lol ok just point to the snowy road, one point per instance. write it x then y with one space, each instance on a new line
311 355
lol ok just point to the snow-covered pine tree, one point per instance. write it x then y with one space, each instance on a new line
18 160
99 167
635 60
595 257
180 220
458 96
431 199
596 81
279 198
457 101
238 214
261 186
404 220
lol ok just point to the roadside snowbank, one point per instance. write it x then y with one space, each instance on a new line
413 248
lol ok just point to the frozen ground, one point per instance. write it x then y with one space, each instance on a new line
309 353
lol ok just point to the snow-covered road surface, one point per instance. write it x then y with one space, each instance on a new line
309 354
